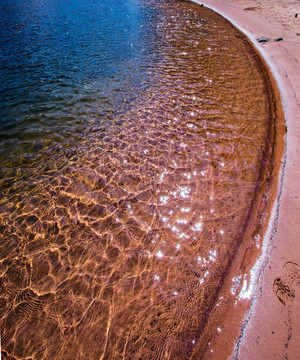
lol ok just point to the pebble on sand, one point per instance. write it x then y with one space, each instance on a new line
263 39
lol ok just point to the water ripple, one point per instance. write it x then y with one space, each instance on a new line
131 141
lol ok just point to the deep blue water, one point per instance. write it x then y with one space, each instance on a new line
71 64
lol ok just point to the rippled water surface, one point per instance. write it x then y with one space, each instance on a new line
132 139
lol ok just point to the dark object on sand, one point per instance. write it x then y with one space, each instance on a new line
263 39
296 15
251 8
278 39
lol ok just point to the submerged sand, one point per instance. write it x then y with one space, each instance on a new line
128 240
271 329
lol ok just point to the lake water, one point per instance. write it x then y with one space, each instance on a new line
133 138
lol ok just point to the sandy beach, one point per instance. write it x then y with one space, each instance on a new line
271 329
149 180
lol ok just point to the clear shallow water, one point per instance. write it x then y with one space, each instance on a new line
132 140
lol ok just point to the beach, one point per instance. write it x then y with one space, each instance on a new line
148 178
134 181
271 327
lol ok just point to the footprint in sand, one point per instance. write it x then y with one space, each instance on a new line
284 286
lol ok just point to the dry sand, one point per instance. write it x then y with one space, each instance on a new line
271 329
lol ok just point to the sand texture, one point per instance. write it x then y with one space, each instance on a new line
271 330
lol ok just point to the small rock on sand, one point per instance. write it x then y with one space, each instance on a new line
263 39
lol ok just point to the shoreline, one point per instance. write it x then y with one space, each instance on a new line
271 327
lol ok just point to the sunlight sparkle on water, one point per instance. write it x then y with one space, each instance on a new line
159 254
182 235
175 229
164 199
198 226
184 192
236 283
181 221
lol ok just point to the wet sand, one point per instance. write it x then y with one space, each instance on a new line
271 329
